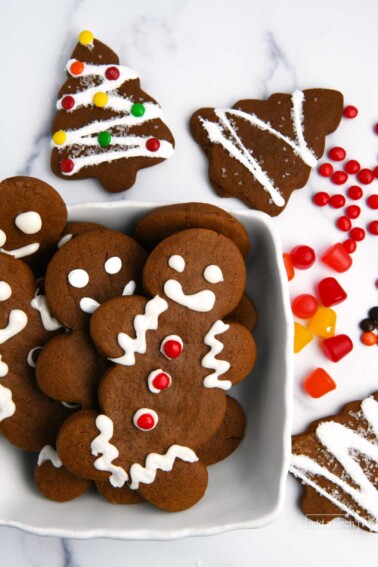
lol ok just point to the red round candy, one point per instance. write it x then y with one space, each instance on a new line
355 192
337 154
321 199
304 306
303 257
326 169
66 165
172 348
112 73
372 201
339 177
353 211
350 245
357 234
161 381
146 421
68 102
352 166
350 112
375 171
344 224
337 201
153 145
365 176
373 227
376 128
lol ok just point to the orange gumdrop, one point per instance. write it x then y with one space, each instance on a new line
369 338
77 67
319 383
289 266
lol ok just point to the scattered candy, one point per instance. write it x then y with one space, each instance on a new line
375 171
337 347
138 109
350 112
344 224
319 383
373 313
86 38
337 258
369 338
352 166
66 165
353 211
288 266
68 102
373 227
323 324
372 201
302 336
330 292
304 306
321 199
59 137
337 201
350 245
368 324
100 99
77 67
376 128
303 257
365 176
337 154
153 145
357 233
339 177
326 169
112 73
104 139
355 192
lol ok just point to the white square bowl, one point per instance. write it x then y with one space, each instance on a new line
247 489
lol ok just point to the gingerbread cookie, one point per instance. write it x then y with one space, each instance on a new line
165 396
336 460
262 150
105 126
73 229
244 313
33 216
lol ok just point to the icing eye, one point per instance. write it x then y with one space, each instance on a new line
29 223
213 274
78 278
3 238
172 346
177 263
145 419
5 291
113 265
158 380
89 305
33 355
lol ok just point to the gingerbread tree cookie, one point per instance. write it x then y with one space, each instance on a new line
105 126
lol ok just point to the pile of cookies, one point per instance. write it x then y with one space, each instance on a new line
117 352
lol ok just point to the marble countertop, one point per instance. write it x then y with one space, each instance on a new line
193 53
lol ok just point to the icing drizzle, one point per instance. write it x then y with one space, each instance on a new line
7 405
211 362
101 446
48 453
16 323
48 321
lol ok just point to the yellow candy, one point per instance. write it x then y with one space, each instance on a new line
100 99
302 336
86 37
323 323
59 137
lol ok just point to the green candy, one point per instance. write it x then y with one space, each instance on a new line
138 109
104 139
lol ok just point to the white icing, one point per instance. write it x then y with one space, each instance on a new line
29 223
211 362
5 291
48 321
155 462
151 377
202 301
70 406
89 305
129 288
7 405
142 411
27 250
108 453
16 323
3 238
142 323
177 263
78 278
342 443
170 338
48 453
128 146
30 357
4 368
66 238
217 134
213 274
113 265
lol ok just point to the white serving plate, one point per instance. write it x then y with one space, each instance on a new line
247 489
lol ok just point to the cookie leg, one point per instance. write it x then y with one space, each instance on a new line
122 495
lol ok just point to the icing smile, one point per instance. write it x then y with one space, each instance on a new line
89 305
17 322
23 251
202 301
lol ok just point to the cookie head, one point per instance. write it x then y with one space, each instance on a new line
90 269
32 215
197 270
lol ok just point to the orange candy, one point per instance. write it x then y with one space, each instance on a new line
289 266
77 67
369 338
319 383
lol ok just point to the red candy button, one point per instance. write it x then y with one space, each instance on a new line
365 176
288 266
375 171
304 306
68 102
171 346
337 201
330 292
355 192
153 145
303 257
353 211
112 73
145 419
318 383
350 112
352 166
326 170
335 348
373 227
337 258
339 177
77 67
357 234
66 165
159 380
337 154
350 245
372 201
344 224
321 199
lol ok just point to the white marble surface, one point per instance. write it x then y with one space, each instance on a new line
192 53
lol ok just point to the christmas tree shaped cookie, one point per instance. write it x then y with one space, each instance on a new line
105 126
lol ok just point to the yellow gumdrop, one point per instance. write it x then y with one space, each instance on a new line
323 323
59 137
302 336
100 99
86 37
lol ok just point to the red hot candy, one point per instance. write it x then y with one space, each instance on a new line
303 257
326 170
339 177
337 154
330 292
352 166
304 306
171 346
350 245
337 258
365 176
335 348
